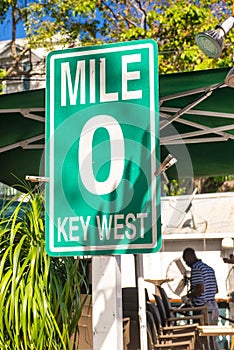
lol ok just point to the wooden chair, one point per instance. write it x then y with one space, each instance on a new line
130 310
170 338
183 318
169 346
172 311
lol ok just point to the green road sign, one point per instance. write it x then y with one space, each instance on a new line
102 150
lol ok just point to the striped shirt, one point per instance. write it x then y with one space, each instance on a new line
202 273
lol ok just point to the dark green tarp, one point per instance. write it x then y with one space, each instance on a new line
211 150
196 109
22 131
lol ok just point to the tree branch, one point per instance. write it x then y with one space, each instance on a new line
119 15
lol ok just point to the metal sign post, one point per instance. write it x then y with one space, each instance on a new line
107 302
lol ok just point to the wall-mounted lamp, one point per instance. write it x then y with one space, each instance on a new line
229 80
211 41
227 245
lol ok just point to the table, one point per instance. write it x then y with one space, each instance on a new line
211 331
158 282
215 330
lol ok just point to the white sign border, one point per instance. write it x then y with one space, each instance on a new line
129 247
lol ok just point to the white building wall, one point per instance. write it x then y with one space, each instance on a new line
217 209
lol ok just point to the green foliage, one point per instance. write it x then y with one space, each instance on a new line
173 24
64 23
175 188
40 300
2 76
4 6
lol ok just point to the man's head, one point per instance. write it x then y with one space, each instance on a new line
189 256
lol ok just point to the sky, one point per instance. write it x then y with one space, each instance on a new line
5 30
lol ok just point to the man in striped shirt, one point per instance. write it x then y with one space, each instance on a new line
203 285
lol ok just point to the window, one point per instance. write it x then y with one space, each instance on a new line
26 80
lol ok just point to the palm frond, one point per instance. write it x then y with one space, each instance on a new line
40 302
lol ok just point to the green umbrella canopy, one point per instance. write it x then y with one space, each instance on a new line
197 111
22 134
196 108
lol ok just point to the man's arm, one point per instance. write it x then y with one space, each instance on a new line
197 290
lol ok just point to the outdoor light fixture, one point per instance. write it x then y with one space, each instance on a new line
166 164
229 80
211 41
227 246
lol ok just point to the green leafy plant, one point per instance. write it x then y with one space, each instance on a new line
40 296
175 187
2 76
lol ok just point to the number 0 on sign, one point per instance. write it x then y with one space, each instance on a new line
102 150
